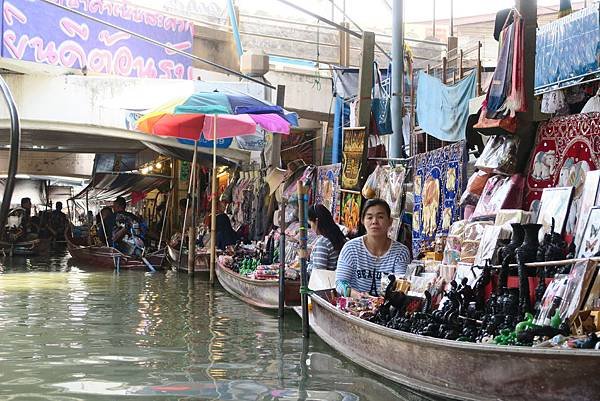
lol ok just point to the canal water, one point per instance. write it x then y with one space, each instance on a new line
72 332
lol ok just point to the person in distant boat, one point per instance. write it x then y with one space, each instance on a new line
326 250
364 260
128 233
58 223
105 223
21 227
226 235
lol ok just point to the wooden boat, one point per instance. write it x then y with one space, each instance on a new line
201 263
108 257
259 293
458 370
25 248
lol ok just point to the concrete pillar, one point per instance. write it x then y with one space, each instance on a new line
397 139
365 79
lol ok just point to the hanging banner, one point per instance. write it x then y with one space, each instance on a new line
354 158
43 33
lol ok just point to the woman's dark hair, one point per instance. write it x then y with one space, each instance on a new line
376 202
226 235
326 225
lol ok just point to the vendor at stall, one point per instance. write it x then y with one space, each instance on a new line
364 260
226 235
330 240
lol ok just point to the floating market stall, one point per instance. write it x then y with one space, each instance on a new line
502 300
104 188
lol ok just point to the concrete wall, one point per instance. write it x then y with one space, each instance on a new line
50 164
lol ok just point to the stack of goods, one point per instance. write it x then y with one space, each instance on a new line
266 272
564 313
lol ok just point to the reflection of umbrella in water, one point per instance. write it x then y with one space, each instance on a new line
214 115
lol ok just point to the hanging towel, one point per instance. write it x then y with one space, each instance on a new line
443 110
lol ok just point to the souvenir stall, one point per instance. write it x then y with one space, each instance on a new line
504 257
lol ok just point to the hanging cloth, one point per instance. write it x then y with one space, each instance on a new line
516 99
443 110
501 80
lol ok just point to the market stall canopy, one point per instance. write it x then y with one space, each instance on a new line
107 186
60 136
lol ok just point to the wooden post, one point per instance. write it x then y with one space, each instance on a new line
444 69
191 250
302 253
479 89
525 129
282 227
276 145
428 69
344 45
365 80
460 66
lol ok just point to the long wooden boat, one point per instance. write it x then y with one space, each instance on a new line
259 293
458 370
108 257
201 262
25 248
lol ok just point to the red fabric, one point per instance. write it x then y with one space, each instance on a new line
186 126
137 196
562 143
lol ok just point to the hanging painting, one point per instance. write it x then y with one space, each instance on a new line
590 240
354 158
439 179
554 204
566 149
587 200
328 188
350 210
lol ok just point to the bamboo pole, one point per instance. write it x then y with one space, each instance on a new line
213 208
281 259
302 253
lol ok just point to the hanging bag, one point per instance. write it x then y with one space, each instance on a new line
380 106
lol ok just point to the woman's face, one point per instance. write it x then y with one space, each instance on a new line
376 221
313 225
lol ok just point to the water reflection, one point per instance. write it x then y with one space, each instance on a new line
70 332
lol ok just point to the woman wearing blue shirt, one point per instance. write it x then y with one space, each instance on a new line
364 260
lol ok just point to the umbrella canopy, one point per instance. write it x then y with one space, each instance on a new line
231 114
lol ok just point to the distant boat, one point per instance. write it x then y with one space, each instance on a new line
26 248
108 257
455 369
259 293
201 261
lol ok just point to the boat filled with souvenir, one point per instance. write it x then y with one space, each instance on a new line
246 272
175 248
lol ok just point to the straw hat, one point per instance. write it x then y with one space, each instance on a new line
275 178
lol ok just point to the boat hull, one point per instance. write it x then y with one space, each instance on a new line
200 264
26 248
259 293
459 370
110 258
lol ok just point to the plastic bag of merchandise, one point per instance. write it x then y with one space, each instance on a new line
393 190
499 155
454 243
471 240
370 189
474 188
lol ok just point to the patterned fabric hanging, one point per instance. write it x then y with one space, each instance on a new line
328 188
566 148
439 179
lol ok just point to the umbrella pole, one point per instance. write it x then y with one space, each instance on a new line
213 209
187 206
191 261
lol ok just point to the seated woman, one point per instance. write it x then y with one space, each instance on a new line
364 260
226 235
330 240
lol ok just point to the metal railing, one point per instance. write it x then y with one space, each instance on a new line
13 158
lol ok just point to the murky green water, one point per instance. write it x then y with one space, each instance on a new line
68 332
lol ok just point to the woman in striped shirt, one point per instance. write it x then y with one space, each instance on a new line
364 260
330 240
